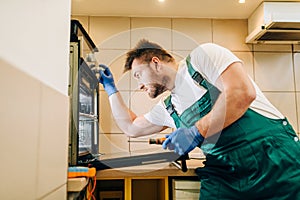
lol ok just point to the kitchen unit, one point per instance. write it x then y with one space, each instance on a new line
261 61
150 182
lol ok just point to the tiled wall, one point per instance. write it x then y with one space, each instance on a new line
275 68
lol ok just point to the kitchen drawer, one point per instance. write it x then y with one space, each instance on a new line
186 184
186 189
186 194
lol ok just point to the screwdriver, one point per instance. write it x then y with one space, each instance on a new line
150 141
156 140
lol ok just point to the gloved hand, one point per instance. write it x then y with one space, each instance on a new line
107 80
183 140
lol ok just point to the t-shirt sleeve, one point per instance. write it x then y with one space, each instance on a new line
211 60
158 115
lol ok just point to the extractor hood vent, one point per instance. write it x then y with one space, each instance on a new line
275 23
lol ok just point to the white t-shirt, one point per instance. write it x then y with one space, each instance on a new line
210 60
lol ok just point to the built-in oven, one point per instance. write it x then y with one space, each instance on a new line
84 112
84 96
88 110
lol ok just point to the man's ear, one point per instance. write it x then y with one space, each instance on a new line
156 62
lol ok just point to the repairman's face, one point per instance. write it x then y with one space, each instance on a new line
148 77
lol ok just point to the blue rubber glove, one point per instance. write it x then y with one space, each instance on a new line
107 80
183 140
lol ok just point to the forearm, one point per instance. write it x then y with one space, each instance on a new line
123 116
127 121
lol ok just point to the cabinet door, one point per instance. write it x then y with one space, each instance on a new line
186 189
148 189
110 189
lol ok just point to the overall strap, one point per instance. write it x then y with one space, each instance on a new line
173 113
198 78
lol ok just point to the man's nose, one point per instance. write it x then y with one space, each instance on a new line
141 86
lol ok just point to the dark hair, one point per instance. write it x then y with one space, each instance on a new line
145 50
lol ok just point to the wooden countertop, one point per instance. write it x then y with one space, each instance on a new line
151 170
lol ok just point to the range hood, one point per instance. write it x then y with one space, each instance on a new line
275 23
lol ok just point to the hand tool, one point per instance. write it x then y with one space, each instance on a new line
156 140
150 141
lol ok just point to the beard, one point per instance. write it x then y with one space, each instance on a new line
157 90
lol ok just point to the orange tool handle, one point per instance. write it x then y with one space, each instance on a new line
157 140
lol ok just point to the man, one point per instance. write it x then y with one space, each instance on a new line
251 149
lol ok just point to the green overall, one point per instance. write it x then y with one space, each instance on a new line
254 158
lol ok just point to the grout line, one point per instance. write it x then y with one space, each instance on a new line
297 114
286 92
295 91
130 36
172 35
212 30
130 41
253 62
89 22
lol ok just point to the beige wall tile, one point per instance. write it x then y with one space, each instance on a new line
153 29
297 48
113 143
19 122
115 60
123 83
189 33
285 103
231 34
141 22
297 70
107 123
272 48
110 56
247 58
110 32
179 55
53 141
274 71
141 103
